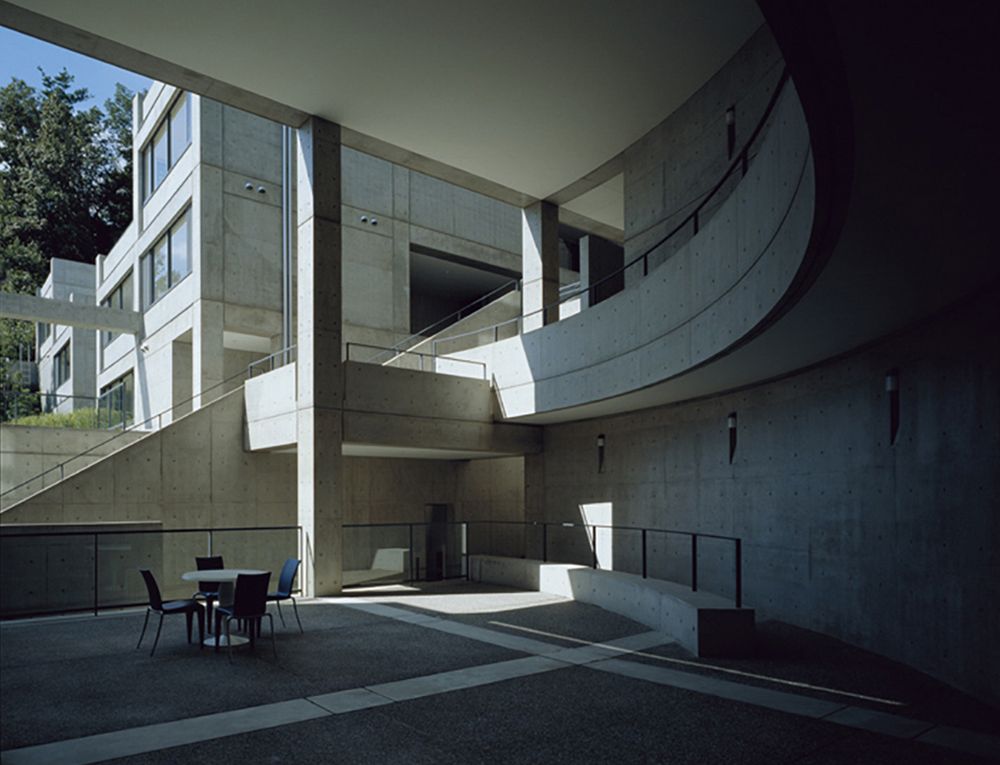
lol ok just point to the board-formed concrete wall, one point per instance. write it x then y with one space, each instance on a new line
895 548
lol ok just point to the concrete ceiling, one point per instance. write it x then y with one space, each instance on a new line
529 94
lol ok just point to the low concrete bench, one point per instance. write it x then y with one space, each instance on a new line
705 624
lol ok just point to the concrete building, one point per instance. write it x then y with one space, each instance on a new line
794 354
66 354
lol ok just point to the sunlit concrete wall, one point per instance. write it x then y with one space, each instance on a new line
893 547
26 452
387 209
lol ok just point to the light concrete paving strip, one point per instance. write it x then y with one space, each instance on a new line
963 740
791 703
879 722
151 738
354 700
470 677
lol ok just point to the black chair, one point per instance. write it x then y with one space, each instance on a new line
249 605
284 592
157 606
208 591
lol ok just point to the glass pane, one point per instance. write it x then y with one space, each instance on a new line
128 396
160 161
146 280
147 172
44 574
261 549
382 554
125 293
180 250
180 128
161 273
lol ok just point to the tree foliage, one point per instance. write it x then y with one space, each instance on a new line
65 184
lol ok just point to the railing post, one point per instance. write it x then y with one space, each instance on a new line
411 552
96 573
744 160
62 470
739 573
210 540
644 553
645 264
696 220
594 548
694 563
545 542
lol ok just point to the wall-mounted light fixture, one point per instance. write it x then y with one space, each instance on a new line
892 388
248 186
261 190
364 218
600 453
731 426
144 348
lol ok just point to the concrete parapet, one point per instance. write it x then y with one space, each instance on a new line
705 624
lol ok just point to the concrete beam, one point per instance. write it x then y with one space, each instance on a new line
67 314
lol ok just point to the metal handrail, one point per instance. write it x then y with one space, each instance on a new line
287 355
741 162
418 354
591 530
61 467
479 302
12 532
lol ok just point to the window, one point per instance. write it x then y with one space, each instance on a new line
43 332
114 406
169 141
119 297
168 262
61 368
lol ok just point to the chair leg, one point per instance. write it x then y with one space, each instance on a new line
280 615
296 609
201 629
229 638
208 611
274 645
157 638
189 617
143 633
218 628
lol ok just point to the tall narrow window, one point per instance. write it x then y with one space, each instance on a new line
180 127
161 155
170 139
180 250
61 366
168 262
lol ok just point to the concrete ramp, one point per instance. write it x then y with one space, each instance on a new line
705 624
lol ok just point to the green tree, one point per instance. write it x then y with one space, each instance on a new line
65 186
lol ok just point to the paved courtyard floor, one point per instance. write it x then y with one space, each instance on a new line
465 673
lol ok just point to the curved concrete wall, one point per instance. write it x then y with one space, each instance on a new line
702 301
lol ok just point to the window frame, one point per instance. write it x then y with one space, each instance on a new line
58 378
116 299
147 156
148 296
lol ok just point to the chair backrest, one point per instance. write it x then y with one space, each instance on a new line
287 578
209 563
155 601
250 598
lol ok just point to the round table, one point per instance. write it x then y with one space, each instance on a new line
226 577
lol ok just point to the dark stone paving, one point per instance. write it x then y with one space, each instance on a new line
64 679
75 678
571 716
784 652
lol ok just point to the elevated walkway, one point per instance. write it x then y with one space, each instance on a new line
390 411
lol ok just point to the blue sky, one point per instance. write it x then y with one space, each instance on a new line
20 56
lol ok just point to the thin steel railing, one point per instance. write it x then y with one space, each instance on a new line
14 534
547 552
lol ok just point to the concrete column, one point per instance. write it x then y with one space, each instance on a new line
540 263
600 258
208 352
401 251
319 327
